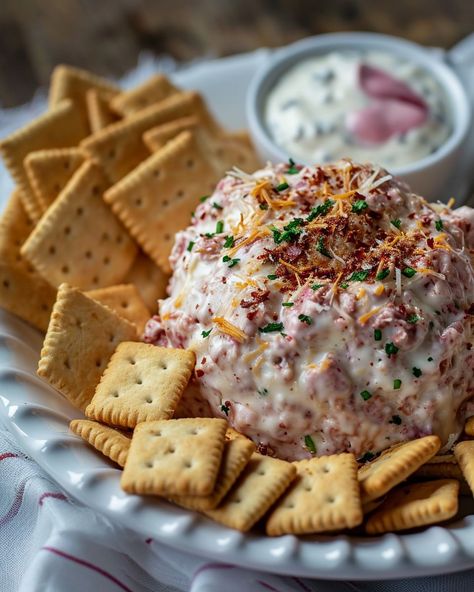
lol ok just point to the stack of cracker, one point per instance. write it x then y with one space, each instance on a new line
104 180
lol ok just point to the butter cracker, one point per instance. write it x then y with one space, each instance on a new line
112 443
126 301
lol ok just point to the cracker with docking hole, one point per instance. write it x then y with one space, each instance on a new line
394 465
60 127
82 336
15 227
150 280
324 497
413 505
237 453
142 382
153 90
73 83
112 443
258 487
157 198
99 112
442 470
50 170
120 148
79 240
157 137
26 294
175 457
126 301
464 453
469 427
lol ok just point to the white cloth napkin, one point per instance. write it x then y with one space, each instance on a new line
50 543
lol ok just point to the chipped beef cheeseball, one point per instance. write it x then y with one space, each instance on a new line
329 309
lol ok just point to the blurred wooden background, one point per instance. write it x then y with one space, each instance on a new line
106 36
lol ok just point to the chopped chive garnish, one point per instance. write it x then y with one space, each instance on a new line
292 170
287 303
396 419
225 409
263 392
377 334
226 258
322 249
430 359
310 445
320 210
413 319
289 233
359 206
203 198
216 205
397 383
229 242
272 328
397 223
382 274
390 349
408 272
206 333
305 319
282 187
232 263
272 276
190 246
316 286
416 372
366 395
366 457
344 285
439 225
219 227
359 276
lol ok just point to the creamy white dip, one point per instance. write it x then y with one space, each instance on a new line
321 109
329 310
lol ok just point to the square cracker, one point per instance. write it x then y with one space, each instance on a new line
175 457
120 148
157 198
150 280
394 465
26 294
469 427
73 83
142 382
324 497
125 300
82 335
237 453
98 111
260 484
60 127
153 90
414 505
464 453
50 170
15 227
112 443
79 240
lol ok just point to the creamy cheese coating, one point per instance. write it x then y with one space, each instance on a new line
311 110
329 309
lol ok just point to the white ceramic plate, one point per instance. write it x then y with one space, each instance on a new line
39 417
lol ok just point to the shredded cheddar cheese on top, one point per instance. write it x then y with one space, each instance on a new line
365 317
229 329
379 290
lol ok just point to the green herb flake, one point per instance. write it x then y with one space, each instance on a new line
305 319
408 272
397 223
288 304
190 246
282 187
366 395
390 349
216 205
219 227
322 249
416 372
320 210
227 259
316 286
382 274
397 383
344 285
378 334
359 206
290 232
225 409
359 276
396 419
272 276
229 242
310 445
272 328
439 225
203 198
366 457
413 319
430 359
206 333
292 170
263 392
